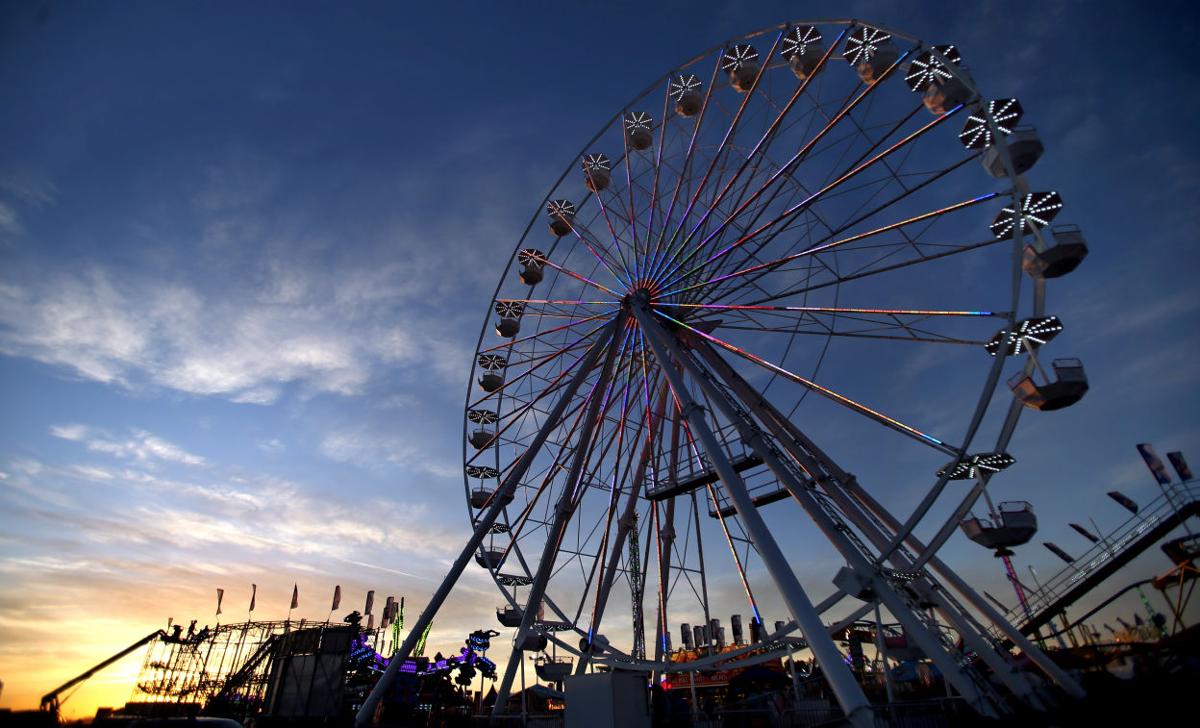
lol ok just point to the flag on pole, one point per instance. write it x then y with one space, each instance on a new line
388 607
1180 465
1085 533
1125 501
1157 469
370 602
1059 552
337 597
220 596
253 594
295 596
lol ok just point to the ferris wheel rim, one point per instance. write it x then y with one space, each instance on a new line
522 243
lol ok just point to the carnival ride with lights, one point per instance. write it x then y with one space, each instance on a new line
758 277
281 670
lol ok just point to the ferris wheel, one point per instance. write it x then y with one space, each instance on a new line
780 282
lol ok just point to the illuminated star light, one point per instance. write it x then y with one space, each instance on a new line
482 417
483 472
798 39
1037 209
1005 113
682 85
926 68
492 362
564 209
596 162
1030 334
509 309
975 465
738 56
635 120
531 256
863 44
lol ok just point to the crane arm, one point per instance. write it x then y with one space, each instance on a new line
50 699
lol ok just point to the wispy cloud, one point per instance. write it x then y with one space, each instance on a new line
330 336
140 445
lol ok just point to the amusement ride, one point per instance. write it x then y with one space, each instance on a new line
812 251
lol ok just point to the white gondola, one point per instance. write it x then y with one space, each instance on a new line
510 313
489 558
1067 251
533 266
597 171
1014 525
638 128
871 52
553 669
482 435
1024 147
802 49
741 63
1069 385
936 75
510 616
482 496
685 89
562 215
492 378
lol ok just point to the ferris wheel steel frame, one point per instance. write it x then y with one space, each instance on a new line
649 316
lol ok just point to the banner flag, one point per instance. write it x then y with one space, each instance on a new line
1125 501
1059 552
337 597
253 594
370 602
1157 469
1180 465
295 596
220 596
1085 533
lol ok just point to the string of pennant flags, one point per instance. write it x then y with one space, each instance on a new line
393 610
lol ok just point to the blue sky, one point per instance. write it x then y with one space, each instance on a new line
245 254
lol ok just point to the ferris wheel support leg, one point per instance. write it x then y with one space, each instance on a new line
1001 665
366 714
626 523
861 566
563 510
1064 680
847 483
847 690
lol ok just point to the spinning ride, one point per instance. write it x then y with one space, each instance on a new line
789 258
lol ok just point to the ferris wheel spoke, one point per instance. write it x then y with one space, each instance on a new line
839 243
841 399
624 523
516 417
787 166
582 279
541 361
605 260
712 493
564 451
808 202
906 193
604 315
837 280
761 144
915 335
729 134
685 173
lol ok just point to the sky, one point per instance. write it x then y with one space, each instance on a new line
245 255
